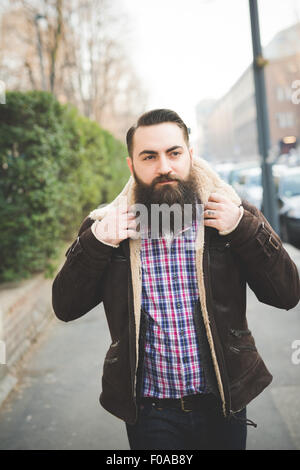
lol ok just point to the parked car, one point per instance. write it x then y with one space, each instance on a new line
287 187
235 172
289 205
248 183
224 169
246 178
248 186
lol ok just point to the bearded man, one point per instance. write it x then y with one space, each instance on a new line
182 365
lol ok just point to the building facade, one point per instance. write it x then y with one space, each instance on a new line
230 130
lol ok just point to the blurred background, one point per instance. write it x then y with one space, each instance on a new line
74 76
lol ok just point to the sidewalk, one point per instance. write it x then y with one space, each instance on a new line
55 404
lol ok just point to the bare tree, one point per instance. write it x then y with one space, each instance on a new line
77 49
57 36
99 62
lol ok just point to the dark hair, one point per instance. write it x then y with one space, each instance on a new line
156 116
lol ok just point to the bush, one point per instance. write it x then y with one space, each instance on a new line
54 168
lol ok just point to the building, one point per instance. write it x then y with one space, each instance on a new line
229 131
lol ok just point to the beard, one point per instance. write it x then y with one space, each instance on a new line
182 192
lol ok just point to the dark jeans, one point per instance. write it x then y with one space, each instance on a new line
175 429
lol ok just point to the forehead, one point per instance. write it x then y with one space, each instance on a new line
157 137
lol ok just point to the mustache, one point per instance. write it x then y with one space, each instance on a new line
164 179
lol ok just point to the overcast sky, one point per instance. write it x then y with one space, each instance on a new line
189 50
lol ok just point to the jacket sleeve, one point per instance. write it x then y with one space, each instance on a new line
77 287
269 270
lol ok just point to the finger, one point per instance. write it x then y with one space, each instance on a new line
211 223
216 197
130 229
126 233
210 213
124 218
126 222
213 205
133 210
122 209
126 209
134 235
131 233
131 224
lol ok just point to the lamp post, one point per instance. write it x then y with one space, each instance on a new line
270 206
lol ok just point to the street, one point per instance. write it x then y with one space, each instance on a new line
55 404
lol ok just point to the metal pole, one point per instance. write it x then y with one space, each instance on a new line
270 205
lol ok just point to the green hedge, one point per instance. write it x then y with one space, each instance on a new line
55 166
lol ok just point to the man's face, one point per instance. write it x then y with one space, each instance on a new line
159 154
163 171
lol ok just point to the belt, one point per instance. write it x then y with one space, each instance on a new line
186 403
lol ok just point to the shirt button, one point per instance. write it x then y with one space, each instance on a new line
175 277
178 304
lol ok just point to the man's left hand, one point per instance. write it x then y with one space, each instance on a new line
220 212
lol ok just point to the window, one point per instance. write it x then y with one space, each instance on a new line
283 93
285 120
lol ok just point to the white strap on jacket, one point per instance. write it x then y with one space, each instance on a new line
93 228
226 232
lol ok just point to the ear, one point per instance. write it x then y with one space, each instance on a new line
191 151
129 163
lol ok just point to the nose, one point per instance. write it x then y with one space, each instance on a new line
164 166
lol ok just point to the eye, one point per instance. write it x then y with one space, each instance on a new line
175 153
149 157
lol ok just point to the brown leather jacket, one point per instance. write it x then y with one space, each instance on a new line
253 253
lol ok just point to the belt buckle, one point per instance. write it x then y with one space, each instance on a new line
182 405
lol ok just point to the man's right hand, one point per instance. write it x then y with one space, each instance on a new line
117 225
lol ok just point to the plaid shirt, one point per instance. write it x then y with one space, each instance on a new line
172 365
